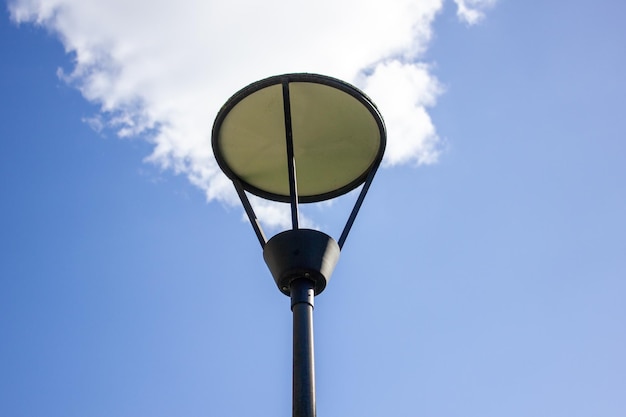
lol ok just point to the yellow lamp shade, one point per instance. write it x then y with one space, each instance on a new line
337 137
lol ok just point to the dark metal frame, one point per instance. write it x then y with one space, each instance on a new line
293 198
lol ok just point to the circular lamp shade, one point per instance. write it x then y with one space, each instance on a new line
336 133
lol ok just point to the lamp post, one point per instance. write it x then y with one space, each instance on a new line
296 139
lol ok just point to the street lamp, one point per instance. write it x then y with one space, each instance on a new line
300 138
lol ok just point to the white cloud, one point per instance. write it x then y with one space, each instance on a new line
160 69
473 11
403 92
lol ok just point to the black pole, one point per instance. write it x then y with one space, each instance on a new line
302 293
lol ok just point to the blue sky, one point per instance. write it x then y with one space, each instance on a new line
488 280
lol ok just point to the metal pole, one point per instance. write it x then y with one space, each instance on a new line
302 293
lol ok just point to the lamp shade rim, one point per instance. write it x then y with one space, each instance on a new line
368 110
